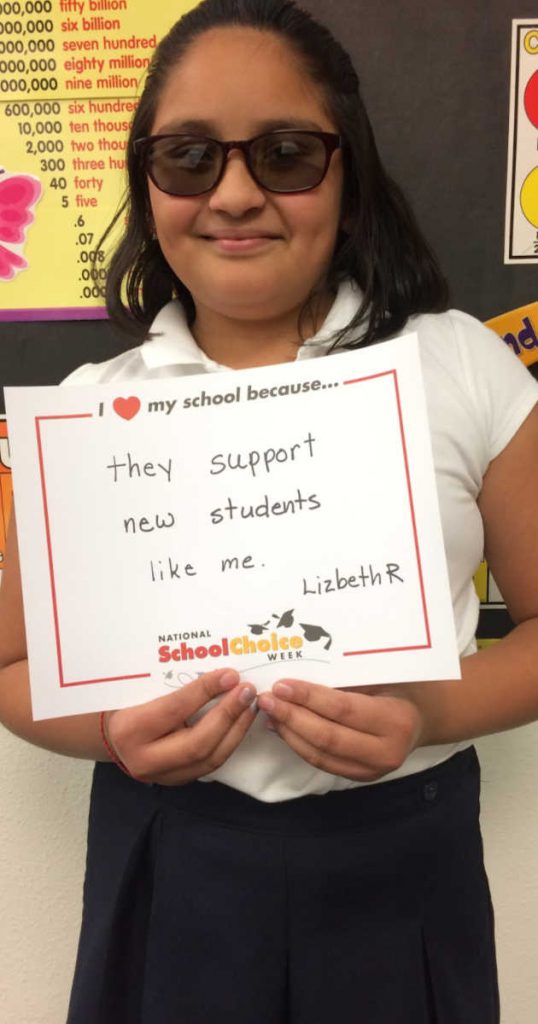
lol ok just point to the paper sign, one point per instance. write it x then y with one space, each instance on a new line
279 520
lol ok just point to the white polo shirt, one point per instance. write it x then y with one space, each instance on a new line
477 394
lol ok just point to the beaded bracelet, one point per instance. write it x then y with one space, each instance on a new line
110 749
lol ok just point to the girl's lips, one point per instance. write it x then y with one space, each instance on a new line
240 245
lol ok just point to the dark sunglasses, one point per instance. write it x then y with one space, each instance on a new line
280 161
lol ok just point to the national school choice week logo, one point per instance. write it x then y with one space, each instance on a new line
18 195
280 640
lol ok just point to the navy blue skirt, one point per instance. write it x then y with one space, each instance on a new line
371 906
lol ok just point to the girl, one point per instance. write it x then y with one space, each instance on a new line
321 859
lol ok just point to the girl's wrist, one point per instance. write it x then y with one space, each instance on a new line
112 753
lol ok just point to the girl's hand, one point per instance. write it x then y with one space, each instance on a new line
156 743
357 735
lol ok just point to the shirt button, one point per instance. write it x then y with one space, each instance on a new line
430 791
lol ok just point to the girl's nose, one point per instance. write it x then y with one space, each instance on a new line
236 192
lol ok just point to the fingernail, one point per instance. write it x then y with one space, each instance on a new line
270 725
247 695
283 690
267 703
229 679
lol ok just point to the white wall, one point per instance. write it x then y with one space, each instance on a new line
43 820
510 827
43 808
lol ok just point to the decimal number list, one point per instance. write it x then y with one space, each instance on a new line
40 125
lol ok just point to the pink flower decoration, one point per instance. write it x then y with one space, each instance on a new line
18 194
10 263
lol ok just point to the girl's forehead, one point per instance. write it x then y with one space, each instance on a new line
228 43
241 71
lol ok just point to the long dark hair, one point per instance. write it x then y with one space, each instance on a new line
382 248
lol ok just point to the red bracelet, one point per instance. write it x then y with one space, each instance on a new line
110 749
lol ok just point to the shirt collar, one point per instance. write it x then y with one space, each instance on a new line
171 342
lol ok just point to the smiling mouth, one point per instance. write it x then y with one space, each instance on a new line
246 243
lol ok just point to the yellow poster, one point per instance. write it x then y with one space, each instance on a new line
70 78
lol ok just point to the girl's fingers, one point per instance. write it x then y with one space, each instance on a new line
323 736
179 775
147 722
186 753
198 745
371 736
355 710
348 768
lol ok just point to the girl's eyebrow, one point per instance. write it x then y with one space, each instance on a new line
208 128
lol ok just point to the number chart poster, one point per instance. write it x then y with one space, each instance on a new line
521 234
70 75
238 519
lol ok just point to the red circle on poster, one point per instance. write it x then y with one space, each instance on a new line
530 99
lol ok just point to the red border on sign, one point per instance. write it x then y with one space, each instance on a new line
428 644
63 682
347 654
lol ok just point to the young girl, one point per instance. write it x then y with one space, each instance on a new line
320 860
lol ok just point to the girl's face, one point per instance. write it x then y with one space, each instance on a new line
245 253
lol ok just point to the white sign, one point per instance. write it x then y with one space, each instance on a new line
279 520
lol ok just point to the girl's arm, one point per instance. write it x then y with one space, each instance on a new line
364 735
499 689
78 735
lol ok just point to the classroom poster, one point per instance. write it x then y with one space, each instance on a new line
521 230
70 74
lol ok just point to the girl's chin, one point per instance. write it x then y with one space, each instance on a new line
247 297
249 309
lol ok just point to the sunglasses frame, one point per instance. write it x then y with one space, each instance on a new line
330 140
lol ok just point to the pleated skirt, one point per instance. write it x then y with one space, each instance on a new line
369 906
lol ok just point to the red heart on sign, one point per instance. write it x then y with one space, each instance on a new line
126 407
